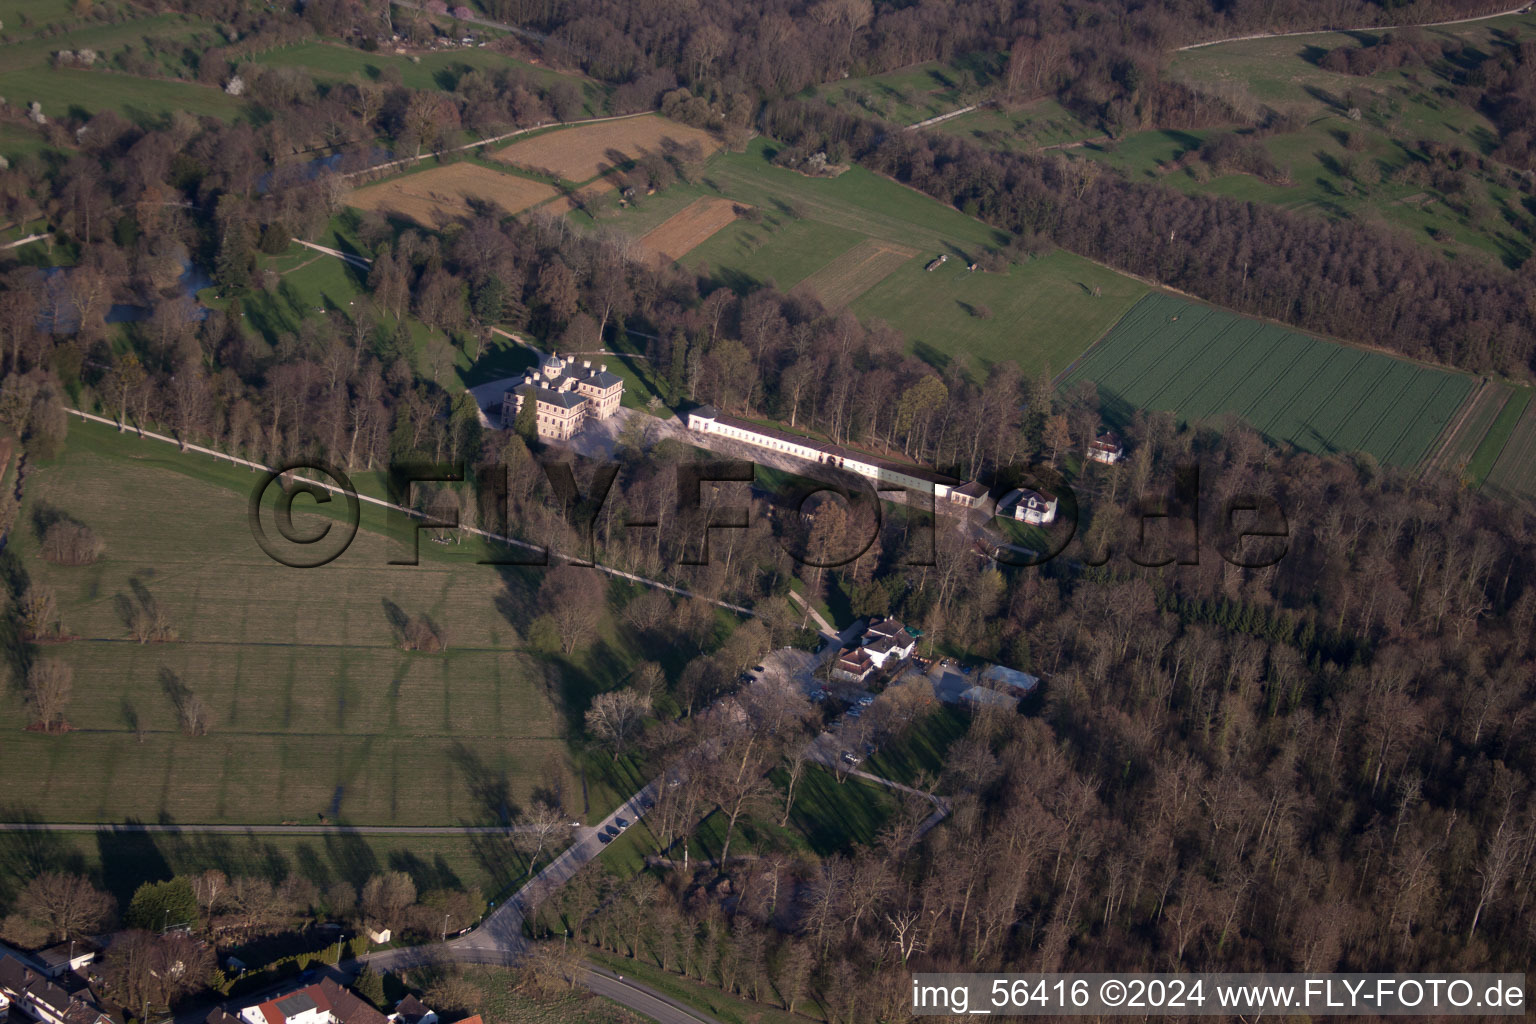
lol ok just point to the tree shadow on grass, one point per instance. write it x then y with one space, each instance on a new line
489 787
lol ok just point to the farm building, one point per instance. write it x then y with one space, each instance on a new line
566 396
1035 507
707 420
1106 448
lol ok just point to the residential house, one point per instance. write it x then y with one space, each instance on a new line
30 991
66 957
411 1010
566 396
322 1003
1035 507
1106 448
968 495
888 642
854 665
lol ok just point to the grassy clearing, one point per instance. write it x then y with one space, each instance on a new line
916 93
314 710
922 750
121 861
1030 126
1042 313
144 101
502 1003
1399 108
1201 363
331 61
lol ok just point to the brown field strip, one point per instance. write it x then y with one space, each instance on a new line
1513 476
585 151
856 271
580 197
688 227
437 197
1464 434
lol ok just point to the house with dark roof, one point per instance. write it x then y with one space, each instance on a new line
968 495
66 957
888 642
411 1010
30 991
853 666
566 396
323 1003
1035 507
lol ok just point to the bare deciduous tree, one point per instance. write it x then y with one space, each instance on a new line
616 717
49 686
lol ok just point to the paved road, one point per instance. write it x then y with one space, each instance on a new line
641 998
499 938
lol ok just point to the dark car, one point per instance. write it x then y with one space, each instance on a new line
604 837
612 831
621 822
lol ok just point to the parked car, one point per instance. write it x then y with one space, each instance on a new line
855 712
604 837
850 757
866 700
612 831
621 822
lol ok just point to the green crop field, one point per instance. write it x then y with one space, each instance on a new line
1513 476
1200 363
1491 446
314 710
1041 314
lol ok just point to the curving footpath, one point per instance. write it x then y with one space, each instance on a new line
1523 8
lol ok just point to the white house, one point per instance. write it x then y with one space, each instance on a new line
854 666
66 957
888 642
1106 448
306 1006
1035 507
